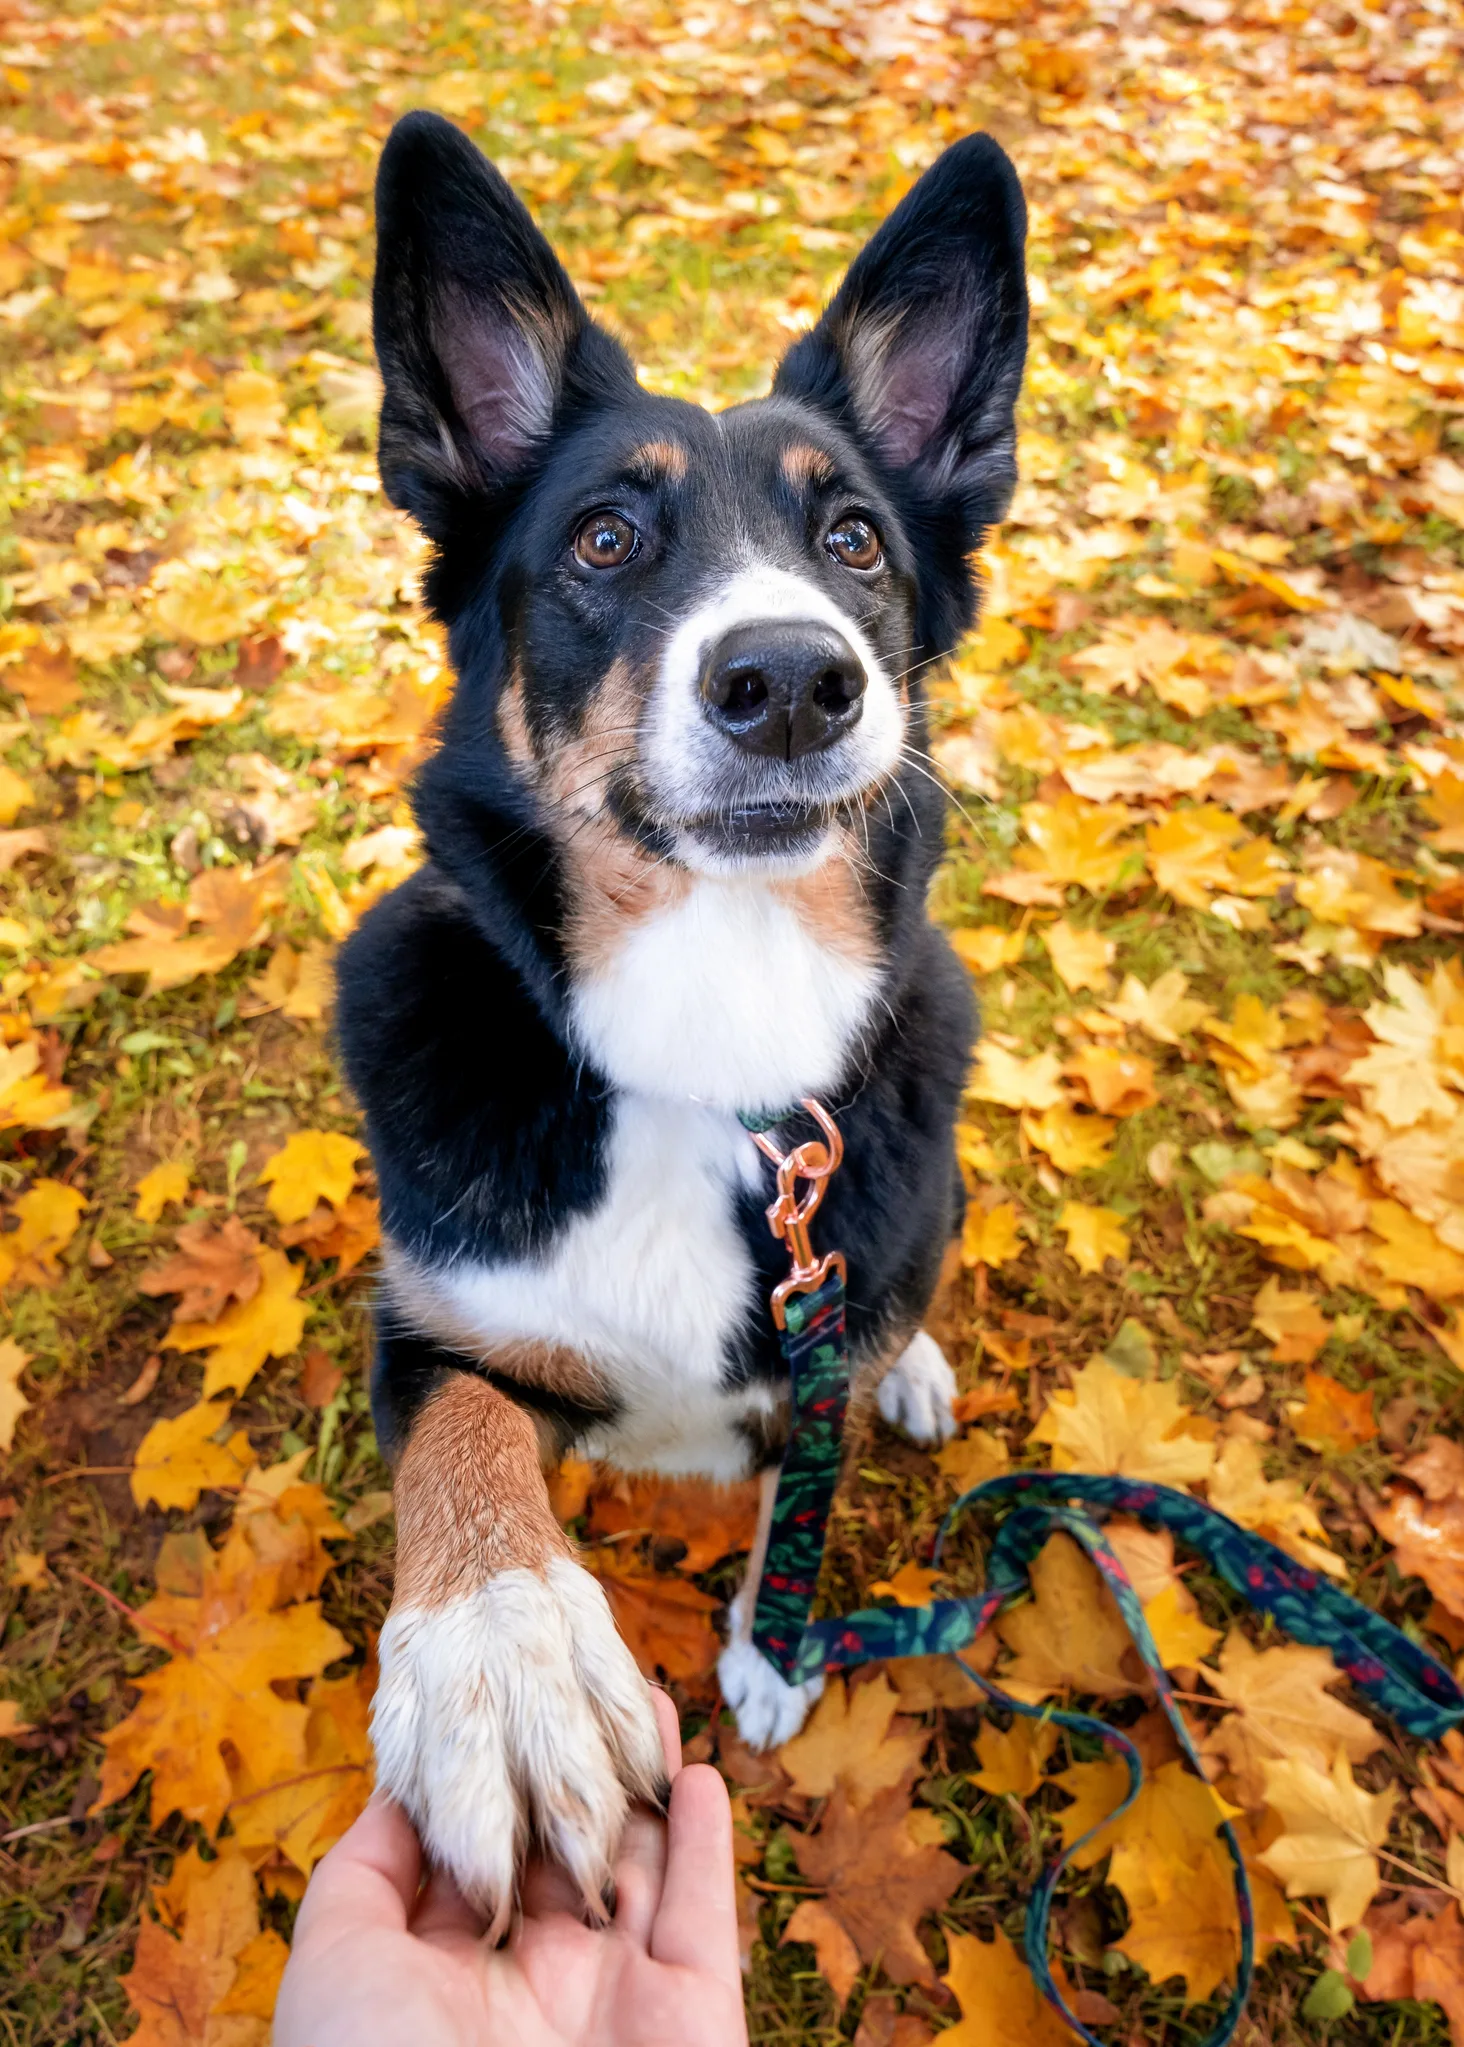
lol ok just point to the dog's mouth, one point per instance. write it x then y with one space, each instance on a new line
753 831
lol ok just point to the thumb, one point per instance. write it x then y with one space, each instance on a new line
369 1879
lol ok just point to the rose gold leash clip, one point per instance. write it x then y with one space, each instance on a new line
789 1215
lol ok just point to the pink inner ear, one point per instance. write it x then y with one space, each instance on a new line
913 385
498 377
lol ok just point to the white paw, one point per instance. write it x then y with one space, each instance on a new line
514 1712
917 1391
769 1711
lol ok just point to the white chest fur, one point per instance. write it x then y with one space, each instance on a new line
651 1286
726 998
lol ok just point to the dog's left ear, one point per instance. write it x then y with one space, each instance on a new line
922 349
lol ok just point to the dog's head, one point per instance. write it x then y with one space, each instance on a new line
703 630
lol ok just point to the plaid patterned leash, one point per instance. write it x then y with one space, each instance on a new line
808 1308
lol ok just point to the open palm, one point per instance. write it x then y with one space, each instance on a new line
377 1962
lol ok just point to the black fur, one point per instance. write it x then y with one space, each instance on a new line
486 1124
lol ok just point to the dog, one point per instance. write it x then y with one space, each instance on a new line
680 827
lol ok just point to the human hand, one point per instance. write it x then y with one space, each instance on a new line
375 1964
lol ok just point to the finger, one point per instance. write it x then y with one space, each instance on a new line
370 1876
697 1923
640 1874
444 1913
669 1722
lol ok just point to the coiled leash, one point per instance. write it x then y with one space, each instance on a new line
808 1309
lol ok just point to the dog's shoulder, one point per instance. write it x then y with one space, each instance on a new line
487 1132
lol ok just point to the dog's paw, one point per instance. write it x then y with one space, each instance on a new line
768 1710
917 1392
510 1713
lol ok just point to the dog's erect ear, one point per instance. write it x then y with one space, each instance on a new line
480 335
922 348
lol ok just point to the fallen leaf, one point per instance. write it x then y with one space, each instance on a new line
912 1585
178 1459
1165 1010
1180 1636
1012 1762
163 1184
227 1652
233 907
709 1521
321 1377
308 1811
46 1218
991 1236
1291 1319
1332 1417
347 1234
998 1997
1331 1829
1074 1139
1000 1076
1282 1707
834 1951
1080 958
1108 1422
312 1165
972 1457
666 1620
853 1739
179 1980
1116 1083
1093 1235
1428 1542
1275 1508
268 1325
987 948
1069 1636
210 1268
878 1879
13 1403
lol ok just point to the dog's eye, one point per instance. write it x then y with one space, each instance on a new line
604 541
855 543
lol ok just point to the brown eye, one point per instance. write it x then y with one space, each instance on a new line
855 543
604 541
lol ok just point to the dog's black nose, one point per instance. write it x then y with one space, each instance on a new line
783 687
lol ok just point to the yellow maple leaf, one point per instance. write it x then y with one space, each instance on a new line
1281 1706
164 1183
1108 1422
1069 1636
1074 1139
1331 1829
1012 1762
16 794
1165 1010
206 612
912 1585
1408 1251
1180 1636
306 1813
178 1458
973 1457
268 1325
1332 1417
1077 842
1000 2003
185 1969
311 1166
987 947
1081 959
990 1236
1013 1083
1275 1508
228 1650
13 1403
1189 853
1115 1082
46 1218
1093 1235
1292 1321
854 1739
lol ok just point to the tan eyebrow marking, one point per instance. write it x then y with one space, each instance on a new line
804 465
658 462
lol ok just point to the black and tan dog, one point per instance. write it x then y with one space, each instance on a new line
680 829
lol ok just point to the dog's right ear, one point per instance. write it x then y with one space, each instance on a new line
481 338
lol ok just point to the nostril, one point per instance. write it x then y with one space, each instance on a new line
833 690
745 693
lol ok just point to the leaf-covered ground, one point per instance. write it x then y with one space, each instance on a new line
1210 756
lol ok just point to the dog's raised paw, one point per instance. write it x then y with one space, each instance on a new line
512 1712
768 1710
918 1392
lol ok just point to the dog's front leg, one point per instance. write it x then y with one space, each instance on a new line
768 1709
509 1709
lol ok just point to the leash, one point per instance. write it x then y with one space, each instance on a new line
808 1309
